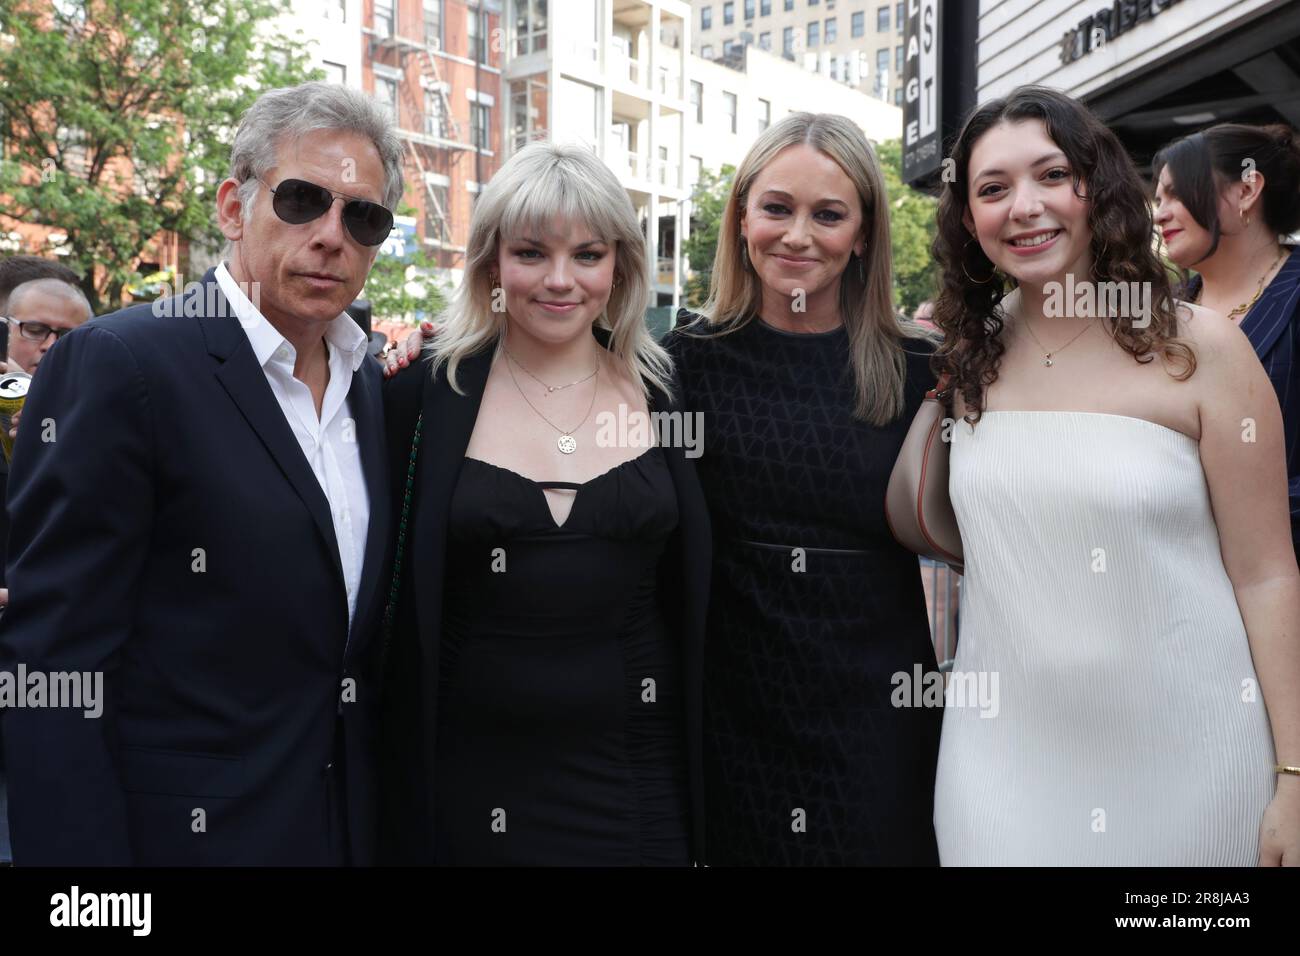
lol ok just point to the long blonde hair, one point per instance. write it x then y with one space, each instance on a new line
540 185
866 304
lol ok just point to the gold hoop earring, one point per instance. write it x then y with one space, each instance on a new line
992 274
1245 220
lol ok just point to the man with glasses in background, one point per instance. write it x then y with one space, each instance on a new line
40 310
65 312
205 523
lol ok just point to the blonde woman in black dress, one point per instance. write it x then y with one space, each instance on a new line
543 700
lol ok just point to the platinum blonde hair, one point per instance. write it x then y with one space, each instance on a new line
541 187
288 113
876 335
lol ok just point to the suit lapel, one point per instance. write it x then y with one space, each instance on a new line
245 382
1271 315
448 424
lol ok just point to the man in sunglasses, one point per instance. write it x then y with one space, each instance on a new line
204 518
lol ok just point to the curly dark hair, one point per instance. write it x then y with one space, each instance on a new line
1119 217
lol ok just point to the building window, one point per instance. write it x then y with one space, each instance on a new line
832 30
857 24
764 115
765 8
706 51
899 17
706 18
814 32
898 60
433 118
787 42
728 12
729 108
437 211
882 73
789 5
882 20
765 41
898 96
335 73
696 170
749 9
480 118
433 24
336 10
477 49
530 26
386 94
697 100
384 19
813 3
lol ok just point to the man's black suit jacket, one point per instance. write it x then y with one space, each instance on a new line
167 530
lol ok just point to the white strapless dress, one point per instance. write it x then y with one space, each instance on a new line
1127 727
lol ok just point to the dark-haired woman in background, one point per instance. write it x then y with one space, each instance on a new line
1224 199
1126 551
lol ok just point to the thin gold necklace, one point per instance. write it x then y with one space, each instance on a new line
566 442
1047 356
549 388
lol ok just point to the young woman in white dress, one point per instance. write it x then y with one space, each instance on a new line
1118 476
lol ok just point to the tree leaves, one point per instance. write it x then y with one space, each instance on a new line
118 115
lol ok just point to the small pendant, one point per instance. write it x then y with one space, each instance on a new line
568 444
1048 362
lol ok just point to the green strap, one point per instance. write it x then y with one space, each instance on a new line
390 611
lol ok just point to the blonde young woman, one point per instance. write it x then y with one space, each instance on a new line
543 693
807 383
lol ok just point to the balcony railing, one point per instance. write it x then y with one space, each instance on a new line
670 83
634 163
670 174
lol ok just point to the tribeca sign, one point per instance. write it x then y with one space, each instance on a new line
1106 24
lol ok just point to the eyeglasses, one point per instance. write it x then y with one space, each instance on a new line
37 331
297 201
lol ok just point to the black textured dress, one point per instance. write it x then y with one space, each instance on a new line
561 737
813 609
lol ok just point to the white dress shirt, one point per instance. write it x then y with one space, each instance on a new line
329 442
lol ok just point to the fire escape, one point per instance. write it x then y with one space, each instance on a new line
433 136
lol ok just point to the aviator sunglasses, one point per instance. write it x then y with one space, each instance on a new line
297 201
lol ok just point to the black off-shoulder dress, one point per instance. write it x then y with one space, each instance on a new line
813 609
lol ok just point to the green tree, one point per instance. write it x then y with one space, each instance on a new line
912 226
399 288
118 117
707 202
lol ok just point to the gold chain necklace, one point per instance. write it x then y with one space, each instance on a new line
1247 306
1047 356
566 442
549 388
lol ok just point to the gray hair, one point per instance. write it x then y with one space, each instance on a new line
288 113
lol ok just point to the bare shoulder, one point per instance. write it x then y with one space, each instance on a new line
1211 333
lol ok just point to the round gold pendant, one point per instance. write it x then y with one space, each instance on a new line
568 444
